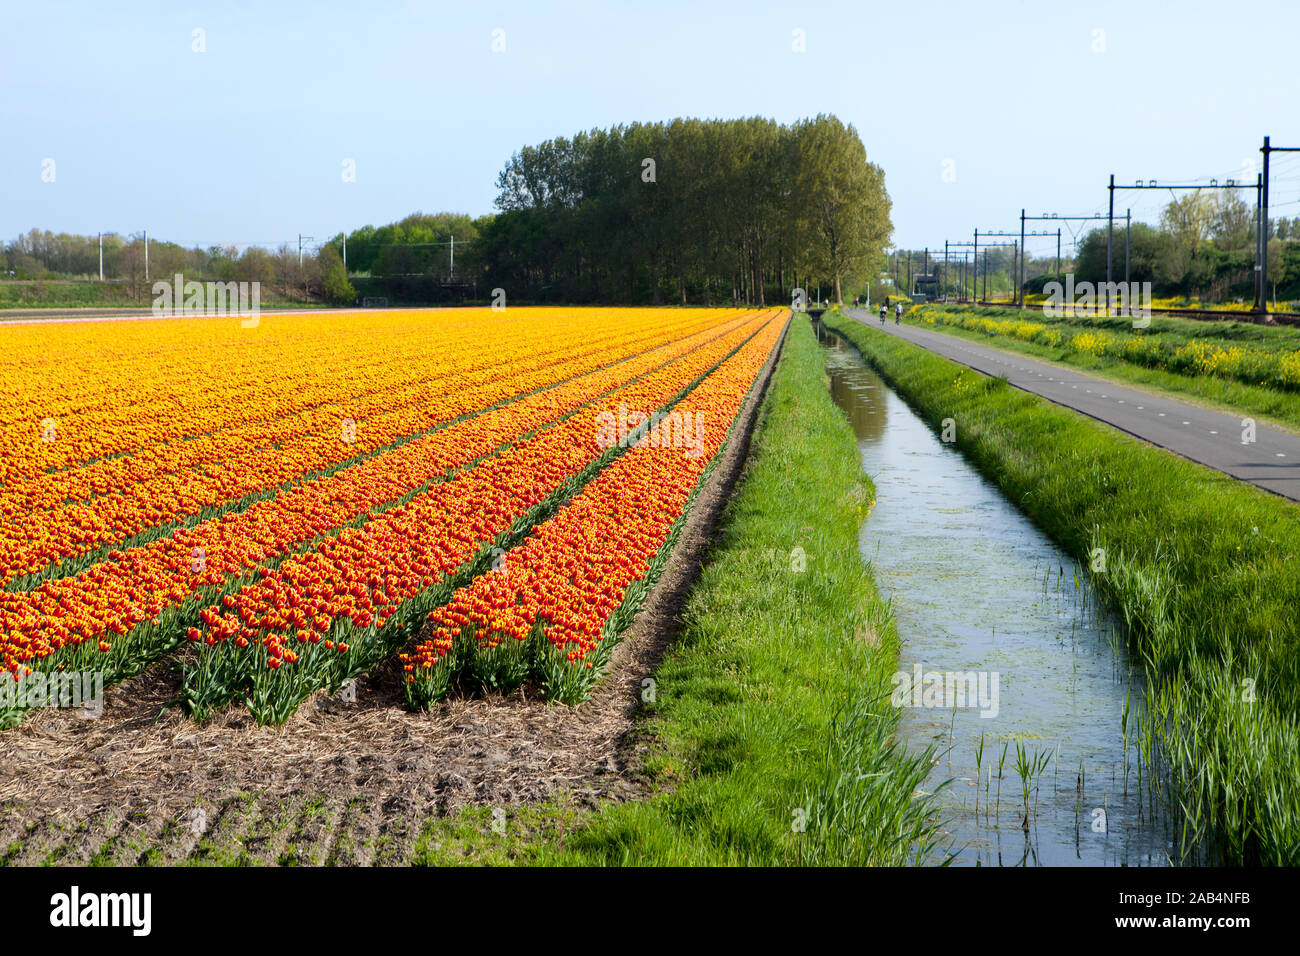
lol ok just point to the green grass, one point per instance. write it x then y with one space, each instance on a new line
51 295
1204 569
1224 392
41 294
770 716
494 836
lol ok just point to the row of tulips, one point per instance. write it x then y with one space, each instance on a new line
99 601
194 431
341 607
137 605
221 472
174 380
552 609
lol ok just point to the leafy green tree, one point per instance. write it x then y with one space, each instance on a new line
697 209
848 207
1232 222
1277 265
334 284
1145 250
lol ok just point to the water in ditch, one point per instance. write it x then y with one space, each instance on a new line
1039 671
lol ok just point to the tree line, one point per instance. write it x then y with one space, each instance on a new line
424 258
702 211
687 211
42 256
707 211
1201 247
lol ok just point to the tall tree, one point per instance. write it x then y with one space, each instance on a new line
844 195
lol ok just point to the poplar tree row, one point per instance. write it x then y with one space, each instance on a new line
689 211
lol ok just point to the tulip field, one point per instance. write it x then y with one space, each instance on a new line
476 498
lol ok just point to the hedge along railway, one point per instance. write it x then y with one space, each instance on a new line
293 500
1224 314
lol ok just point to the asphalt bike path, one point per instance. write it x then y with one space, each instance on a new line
1211 438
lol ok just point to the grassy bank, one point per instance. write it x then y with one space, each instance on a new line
1235 366
1205 570
770 720
38 294
71 295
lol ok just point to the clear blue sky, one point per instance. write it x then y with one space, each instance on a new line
245 142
